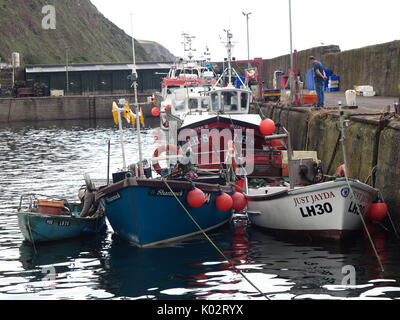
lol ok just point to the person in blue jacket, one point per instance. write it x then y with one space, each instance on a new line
319 78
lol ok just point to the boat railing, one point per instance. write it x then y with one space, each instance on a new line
31 200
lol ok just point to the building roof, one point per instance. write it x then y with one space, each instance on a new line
97 67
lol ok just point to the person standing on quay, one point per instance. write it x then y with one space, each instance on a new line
319 78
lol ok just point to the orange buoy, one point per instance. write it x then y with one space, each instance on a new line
239 201
224 202
267 127
341 170
378 210
196 198
155 112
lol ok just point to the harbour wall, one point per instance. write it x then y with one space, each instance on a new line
377 65
372 145
65 108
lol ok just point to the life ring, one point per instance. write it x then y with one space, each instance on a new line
163 148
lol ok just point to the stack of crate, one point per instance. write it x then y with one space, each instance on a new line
333 84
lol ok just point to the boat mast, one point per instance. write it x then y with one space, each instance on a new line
134 84
229 47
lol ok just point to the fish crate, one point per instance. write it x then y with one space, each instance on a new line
310 98
50 207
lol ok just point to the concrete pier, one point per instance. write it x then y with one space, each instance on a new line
64 108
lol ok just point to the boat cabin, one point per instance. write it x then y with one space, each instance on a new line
230 100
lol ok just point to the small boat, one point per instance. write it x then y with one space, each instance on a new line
42 218
307 205
321 211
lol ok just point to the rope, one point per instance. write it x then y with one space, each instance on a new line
30 234
212 242
390 217
351 189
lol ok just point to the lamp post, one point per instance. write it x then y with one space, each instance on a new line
248 45
291 78
66 67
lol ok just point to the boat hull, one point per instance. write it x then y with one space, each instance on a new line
321 211
37 227
146 213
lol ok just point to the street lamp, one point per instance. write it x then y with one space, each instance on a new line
248 45
66 66
291 76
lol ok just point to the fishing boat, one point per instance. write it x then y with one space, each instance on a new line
148 211
321 211
43 218
307 205
207 133
183 89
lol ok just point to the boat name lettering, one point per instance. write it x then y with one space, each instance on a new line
165 193
353 208
113 197
313 198
64 223
50 221
318 209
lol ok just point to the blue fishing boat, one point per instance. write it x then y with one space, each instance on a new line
42 218
148 212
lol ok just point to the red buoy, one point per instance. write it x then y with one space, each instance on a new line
377 211
155 112
196 198
239 201
267 127
224 202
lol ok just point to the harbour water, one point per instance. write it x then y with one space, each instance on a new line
51 158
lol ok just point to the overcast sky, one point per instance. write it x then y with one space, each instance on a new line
347 23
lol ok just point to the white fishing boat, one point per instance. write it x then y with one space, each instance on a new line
306 205
183 89
324 210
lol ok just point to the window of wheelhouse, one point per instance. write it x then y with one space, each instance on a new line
229 101
179 105
205 103
244 98
193 103
214 101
